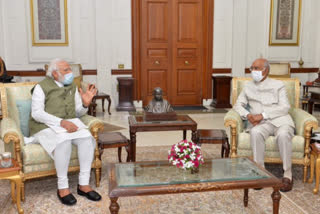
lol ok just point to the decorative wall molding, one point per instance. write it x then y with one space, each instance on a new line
121 72
295 70
40 73
221 70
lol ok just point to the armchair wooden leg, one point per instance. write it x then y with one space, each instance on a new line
98 176
22 191
316 188
311 168
305 170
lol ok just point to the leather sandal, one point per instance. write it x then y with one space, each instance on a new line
67 200
91 195
287 184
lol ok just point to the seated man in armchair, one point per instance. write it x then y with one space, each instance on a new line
55 100
264 103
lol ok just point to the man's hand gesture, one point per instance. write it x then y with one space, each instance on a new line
88 95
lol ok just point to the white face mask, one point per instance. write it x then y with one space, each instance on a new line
256 75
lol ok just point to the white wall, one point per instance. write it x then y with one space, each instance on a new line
249 24
100 38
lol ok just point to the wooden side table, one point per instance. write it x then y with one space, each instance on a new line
214 136
13 174
314 161
114 140
221 91
93 105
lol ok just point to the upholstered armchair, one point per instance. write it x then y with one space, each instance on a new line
32 158
304 123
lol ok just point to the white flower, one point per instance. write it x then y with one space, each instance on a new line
175 162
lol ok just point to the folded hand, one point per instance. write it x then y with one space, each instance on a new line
255 119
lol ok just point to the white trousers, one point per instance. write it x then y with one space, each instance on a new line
62 154
283 136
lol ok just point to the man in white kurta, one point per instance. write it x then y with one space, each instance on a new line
58 144
264 103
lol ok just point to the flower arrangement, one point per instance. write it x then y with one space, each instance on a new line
186 155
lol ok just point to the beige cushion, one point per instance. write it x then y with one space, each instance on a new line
35 154
271 149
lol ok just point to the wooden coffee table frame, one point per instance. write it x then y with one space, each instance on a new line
163 126
115 192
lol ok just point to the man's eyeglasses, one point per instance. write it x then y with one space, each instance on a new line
255 68
67 69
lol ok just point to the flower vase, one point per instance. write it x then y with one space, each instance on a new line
195 170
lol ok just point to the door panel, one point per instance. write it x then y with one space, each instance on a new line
187 51
154 47
171 50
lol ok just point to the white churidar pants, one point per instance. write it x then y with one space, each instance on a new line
283 136
62 154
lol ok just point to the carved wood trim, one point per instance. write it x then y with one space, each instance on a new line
295 70
40 73
121 72
221 70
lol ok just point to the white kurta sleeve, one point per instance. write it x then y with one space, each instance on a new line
80 110
37 109
240 105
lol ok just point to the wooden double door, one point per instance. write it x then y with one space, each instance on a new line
172 50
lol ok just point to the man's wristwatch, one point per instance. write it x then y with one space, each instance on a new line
84 106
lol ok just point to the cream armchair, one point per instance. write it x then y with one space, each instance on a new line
304 122
32 158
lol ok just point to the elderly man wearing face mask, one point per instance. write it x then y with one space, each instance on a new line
55 100
264 103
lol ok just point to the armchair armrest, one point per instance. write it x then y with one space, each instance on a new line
93 123
303 121
233 119
13 138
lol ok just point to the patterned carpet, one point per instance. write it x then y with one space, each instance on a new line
41 194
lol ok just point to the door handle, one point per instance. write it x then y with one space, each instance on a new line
157 62
186 62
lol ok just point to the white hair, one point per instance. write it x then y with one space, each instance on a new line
267 65
53 66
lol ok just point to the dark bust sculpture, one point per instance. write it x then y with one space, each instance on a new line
158 104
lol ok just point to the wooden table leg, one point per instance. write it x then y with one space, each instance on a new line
114 206
276 196
227 148
246 197
194 136
17 181
316 188
109 104
184 134
102 101
310 106
133 146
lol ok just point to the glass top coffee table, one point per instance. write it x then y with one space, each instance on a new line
160 177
